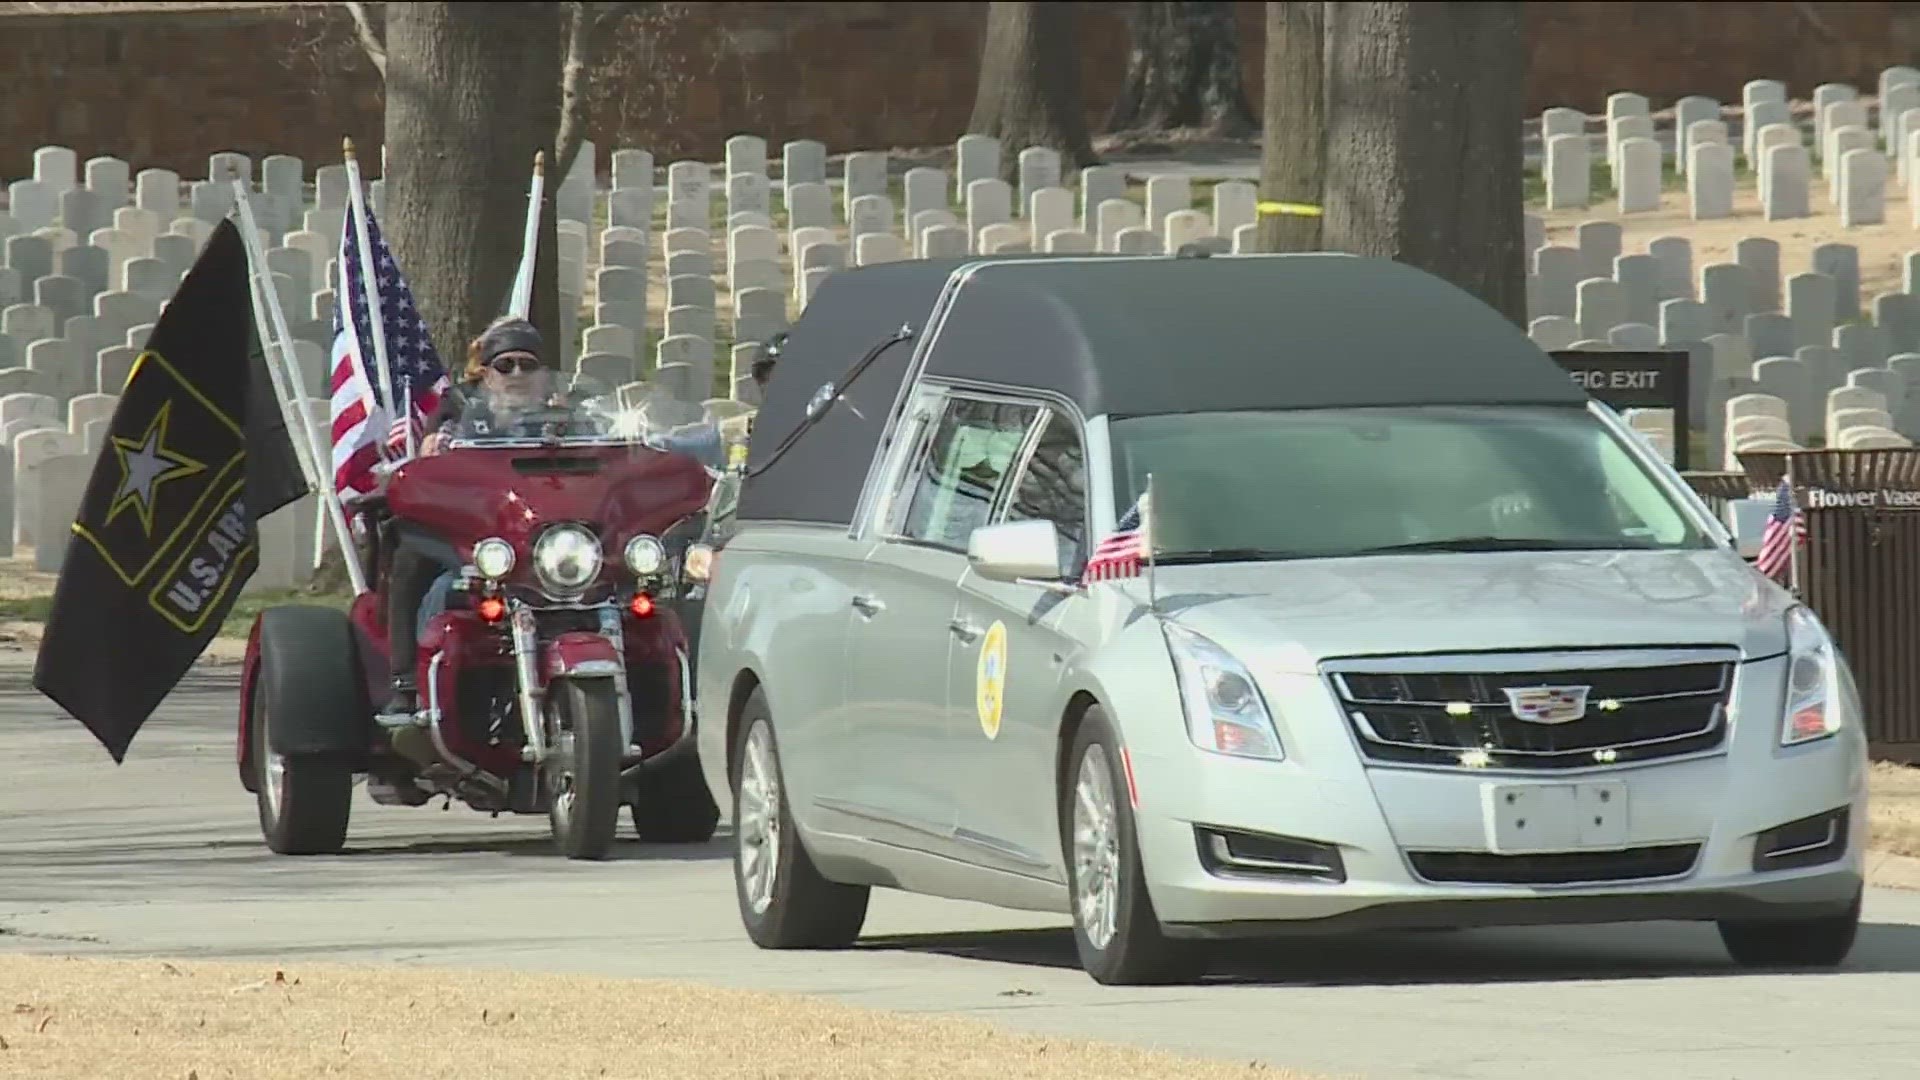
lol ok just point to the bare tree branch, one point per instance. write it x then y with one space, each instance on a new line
581 21
370 39
1807 12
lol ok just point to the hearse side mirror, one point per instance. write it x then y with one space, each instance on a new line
1016 551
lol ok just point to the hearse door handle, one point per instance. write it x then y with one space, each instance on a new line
868 605
965 630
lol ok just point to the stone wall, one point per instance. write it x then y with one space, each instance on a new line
166 88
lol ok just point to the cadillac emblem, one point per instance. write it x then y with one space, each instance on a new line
1548 704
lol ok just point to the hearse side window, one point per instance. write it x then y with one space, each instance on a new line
1054 487
955 481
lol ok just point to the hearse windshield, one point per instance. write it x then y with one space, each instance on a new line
1251 486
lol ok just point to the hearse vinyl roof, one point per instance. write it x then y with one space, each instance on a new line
1132 335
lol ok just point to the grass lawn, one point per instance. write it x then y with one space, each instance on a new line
239 620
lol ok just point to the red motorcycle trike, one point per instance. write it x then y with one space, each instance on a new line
557 680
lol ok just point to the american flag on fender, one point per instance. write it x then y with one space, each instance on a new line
1786 526
414 366
1124 550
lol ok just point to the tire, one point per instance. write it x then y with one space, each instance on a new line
674 805
310 682
585 780
798 908
1136 950
1822 942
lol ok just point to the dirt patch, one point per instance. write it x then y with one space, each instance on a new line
1882 247
1894 806
79 1019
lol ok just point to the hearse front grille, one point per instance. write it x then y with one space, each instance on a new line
1555 868
1423 712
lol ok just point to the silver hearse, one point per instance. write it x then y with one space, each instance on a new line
1424 638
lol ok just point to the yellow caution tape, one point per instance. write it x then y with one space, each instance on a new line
1292 209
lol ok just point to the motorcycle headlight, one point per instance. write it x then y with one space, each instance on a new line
1224 710
493 557
566 559
1813 681
645 556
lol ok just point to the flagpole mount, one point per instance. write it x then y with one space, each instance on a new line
540 162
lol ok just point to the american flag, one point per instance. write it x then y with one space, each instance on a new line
414 367
1786 526
1122 552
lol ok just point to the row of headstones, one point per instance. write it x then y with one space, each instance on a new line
1858 418
1841 125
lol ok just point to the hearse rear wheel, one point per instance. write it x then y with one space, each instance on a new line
1822 942
1115 930
673 804
584 771
785 902
307 670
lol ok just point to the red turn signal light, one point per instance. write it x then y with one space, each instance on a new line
641 605
493 609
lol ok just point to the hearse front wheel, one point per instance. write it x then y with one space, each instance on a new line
785 902
584 770
1822 942
1115 929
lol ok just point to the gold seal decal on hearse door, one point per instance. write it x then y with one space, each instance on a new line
990 678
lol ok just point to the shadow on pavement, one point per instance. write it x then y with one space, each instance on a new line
523 845
1389 958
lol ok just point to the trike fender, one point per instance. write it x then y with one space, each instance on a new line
579 653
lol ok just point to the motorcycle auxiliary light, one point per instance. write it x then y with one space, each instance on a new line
493 557
492 608
645 556
641 605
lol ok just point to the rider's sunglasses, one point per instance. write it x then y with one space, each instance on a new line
508 363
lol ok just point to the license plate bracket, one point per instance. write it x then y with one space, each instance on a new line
1523 819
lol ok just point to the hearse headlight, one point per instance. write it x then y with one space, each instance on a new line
567 559
1224 710
1813 680
493 557
646 556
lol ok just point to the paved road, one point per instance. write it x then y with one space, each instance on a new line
162 856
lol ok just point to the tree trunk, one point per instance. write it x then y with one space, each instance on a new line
1029 89
1183 71
472 91
1293 150
1424 108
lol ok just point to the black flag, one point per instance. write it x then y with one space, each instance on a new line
196 453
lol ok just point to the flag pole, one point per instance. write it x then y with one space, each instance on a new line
270 323
522 300
368 284
1147 544
1794 520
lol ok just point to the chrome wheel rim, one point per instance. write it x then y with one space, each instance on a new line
274 774
563 747
758 830
1096 849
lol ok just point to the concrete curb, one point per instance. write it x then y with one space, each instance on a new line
1885 870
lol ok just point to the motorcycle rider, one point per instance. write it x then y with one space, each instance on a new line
504 372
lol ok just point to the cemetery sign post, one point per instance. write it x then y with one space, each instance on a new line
1636 379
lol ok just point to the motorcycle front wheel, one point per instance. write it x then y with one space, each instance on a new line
584 769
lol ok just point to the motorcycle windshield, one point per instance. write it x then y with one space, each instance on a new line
504 420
